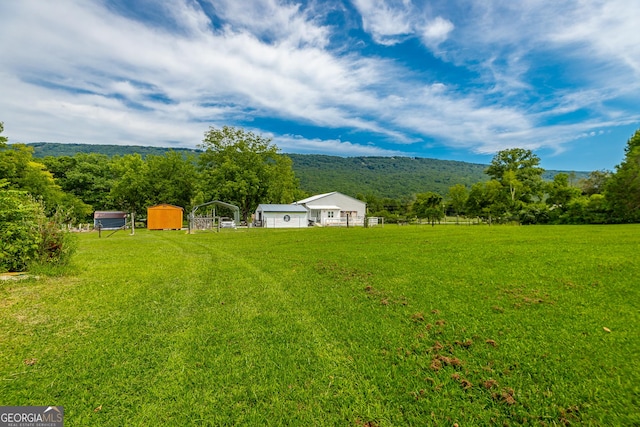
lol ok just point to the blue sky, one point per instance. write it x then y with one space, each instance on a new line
447 79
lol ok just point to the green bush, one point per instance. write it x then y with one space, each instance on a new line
19 231
27 236
56 245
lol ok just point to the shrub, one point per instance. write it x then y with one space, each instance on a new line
56 245
19 232
27 236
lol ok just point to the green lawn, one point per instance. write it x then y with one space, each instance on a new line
413 325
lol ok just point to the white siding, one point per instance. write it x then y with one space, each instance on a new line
281 216
337 204
276 220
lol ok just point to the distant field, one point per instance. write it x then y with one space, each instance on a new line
413 325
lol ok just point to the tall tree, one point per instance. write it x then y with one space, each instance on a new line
623 188
457 198
284 186
486 200
130 190
88 176
20 171
428 205
244 169
520 175
172 178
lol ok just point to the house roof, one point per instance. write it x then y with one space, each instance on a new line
316 197
321 196
281 208
324 207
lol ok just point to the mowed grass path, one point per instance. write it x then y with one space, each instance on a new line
351 327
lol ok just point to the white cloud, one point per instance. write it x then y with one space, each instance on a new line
605 29
392 21
305 83
274 21
388 22
436 31
599 36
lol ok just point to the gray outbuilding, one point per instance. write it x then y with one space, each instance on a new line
109 220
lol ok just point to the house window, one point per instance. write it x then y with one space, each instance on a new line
329 214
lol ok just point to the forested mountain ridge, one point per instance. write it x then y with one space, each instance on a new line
57 149
392 177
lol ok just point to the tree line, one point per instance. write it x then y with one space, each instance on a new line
517 192
234 166
245 169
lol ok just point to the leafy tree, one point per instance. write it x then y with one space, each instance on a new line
428 205
595 183
130 189
284 184
487 201
23 173
171 178
534 213
457 198
623 188
392 210
20 171
591 209
598 210
560 193
244 169
518 171
88 176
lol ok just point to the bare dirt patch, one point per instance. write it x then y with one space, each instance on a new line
16 276
505 396
522 297
385 297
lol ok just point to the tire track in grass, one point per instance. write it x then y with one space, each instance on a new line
271 353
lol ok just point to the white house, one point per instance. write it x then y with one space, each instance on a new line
334 209
281 216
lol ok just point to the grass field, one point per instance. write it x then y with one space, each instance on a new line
390 326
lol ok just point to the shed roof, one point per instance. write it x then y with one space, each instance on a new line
165 206
109 214
281 208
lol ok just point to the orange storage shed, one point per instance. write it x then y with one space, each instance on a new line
164 217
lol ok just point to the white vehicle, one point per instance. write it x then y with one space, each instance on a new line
227 223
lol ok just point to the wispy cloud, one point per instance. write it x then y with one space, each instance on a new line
274 22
